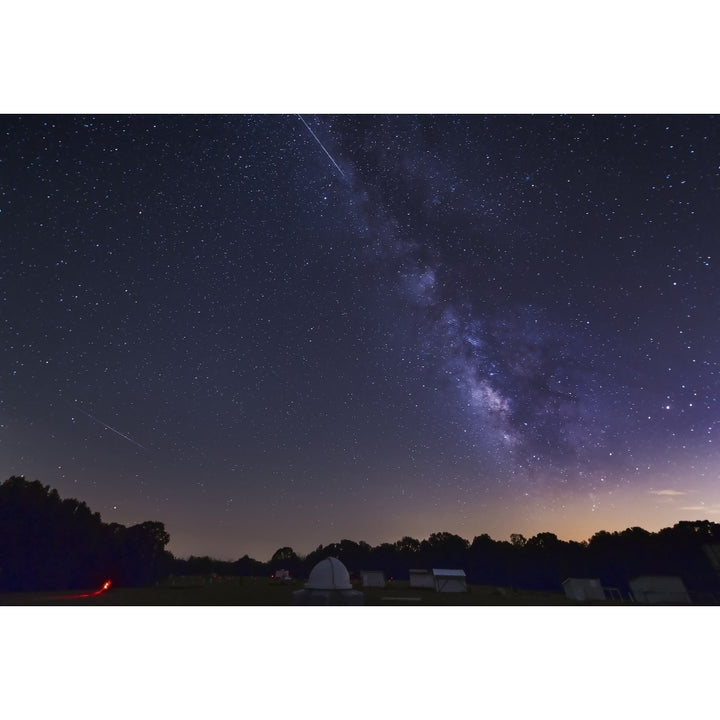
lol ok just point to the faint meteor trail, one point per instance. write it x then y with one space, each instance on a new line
321 145
112 429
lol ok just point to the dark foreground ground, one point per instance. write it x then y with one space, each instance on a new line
253 591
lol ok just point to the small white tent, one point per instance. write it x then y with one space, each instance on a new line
656 589
373 578
583 589
421 579
449 580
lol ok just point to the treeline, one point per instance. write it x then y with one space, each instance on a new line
541 562
47 543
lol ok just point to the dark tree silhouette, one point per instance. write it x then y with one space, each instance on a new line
247 567
283 555
544 561
444 549
285 558
51 544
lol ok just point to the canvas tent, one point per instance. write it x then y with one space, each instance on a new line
328 584
656 589
583 589
373 578
421 579
449 580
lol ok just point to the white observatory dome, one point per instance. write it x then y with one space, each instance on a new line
329 574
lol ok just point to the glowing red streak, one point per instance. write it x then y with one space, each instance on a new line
105 587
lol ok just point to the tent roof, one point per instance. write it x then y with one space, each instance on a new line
656 581
448 573
656 577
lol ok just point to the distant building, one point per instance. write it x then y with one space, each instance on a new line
282 575
583 589
421 579
328 584
372 578
659 589
449 580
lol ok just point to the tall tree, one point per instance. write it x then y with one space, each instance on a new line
47 543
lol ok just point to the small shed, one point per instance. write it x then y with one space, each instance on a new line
583 589
282 575
372 578
449 580
421 579
659 589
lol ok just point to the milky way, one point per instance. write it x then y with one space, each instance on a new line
465 323
507 293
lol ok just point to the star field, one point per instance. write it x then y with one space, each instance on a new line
287 330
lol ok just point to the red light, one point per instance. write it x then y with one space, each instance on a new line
105 587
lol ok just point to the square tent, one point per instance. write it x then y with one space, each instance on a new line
372 578
583 589
449 580
656 589
421 579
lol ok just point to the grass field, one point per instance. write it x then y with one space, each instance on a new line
255 591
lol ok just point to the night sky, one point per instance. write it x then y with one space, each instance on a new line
271 330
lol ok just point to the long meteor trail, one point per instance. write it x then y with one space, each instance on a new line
112 429
321 145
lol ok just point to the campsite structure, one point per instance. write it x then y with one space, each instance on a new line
421 579
659 589
449 580
328 584
372 578
583 589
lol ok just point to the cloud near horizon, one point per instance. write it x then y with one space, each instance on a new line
710 509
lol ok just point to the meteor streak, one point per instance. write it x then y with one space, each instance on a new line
112 429
321 145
